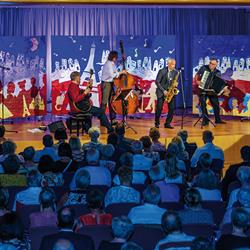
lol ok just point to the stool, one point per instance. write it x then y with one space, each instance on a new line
80 118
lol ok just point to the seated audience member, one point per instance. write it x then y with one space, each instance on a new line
231 173
47 215
76 147
11 165
98 175
107 151
12 232
155 135
94 134
65 162
4 201
66 224
201 243
243 199
131 246
169 192
122 229
206 181
193 212
113 139
238 239
47 150
243 174
182 153
123 142
209 147
63 244
97 216
28 165
2 138
29 196
78 195
50 177
149 212
172 226
140 162
4 246
124 192
61 136
147 151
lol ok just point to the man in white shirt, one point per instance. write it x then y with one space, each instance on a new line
214 151
109 73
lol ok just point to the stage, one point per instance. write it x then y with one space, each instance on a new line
230 136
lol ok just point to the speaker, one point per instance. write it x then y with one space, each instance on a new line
56 125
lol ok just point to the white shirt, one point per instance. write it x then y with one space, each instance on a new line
109 72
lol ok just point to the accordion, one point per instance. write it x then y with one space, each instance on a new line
212 84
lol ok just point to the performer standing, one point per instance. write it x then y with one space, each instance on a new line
109 73
203 95
77 101
164 81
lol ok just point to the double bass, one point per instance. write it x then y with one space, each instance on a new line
125 82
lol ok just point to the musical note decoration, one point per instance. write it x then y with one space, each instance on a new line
171 51
72 39
136 52
233 51
156 50
145 43
102 41
55 54
211 50
131 37
80 48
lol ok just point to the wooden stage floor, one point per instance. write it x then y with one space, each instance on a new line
230 136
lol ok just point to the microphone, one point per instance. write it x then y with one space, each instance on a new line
3 67
181 68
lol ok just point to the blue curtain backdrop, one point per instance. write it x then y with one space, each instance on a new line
115 20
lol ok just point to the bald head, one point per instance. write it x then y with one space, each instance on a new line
171 63
63 244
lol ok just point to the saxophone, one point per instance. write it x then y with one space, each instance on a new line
172 90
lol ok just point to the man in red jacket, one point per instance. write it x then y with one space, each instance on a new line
75 95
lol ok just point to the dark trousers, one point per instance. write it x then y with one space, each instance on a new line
215 104
98 112
107 93
159 106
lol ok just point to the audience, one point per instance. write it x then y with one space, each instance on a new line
29 164
209 147
113 139
63 244
124 192
61 137
149 212
94 134
131 246
107 152
76 147
201 243
155 135
182 153
147 150
122 229
124 144
2 138
66 225
4 201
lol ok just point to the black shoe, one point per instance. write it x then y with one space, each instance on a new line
110 130
157 125
220 122
168 126
114 122
205 123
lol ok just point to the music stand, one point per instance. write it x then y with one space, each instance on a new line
123 97
2 99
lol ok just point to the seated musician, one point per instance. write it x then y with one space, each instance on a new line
78 99
203 95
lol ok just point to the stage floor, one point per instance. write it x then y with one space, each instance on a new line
230 136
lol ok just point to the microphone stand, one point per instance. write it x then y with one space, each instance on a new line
3 68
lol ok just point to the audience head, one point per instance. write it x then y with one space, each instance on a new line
48 141
94 134
205 161
171 222
207 136
131 246
92 156
243 175
95 199
120 129
113 139
207 180
2 131
64 149
126 159
61 134
9 147
122 227
152 194
29 153
107 151
63 244
34 179
66 218
192 198
75 143
178 141
157 173
47 199
171 166
4 198
244 196
11 227
240 219
137 147
11 164
245 153
154 134
82 179
125 175
183 134
146 142
46 164
201 243
173 149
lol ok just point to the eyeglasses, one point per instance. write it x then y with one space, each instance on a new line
213 64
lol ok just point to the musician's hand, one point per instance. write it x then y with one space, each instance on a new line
87 91
226 91
91 81
198 82
123 72
165 92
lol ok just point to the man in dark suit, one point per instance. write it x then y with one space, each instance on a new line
164 80
66 223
